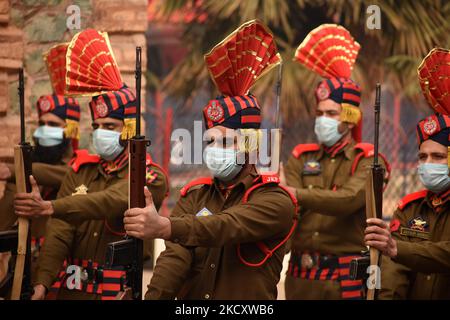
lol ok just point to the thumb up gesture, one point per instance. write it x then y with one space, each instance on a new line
146 223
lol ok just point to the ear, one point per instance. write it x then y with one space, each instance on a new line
350 125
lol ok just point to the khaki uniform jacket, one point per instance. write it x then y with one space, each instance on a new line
201 260
331 200
48 176
88 214
421 269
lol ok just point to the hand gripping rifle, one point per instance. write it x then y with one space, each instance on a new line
374 201
129 252
22 160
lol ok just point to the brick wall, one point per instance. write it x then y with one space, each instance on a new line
29 27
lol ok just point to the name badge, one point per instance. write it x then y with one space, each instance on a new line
414 233
204 213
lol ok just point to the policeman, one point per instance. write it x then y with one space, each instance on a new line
329 178
55 144
225 237
416 246
88 211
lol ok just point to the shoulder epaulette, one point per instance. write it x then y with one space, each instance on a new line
197 182
304 147
151 175
81 158
366 148
412 197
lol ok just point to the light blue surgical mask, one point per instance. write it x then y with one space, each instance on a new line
49 136
434 176
326 130
107 143
222 163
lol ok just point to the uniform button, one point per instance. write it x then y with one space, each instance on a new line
333 160
316 234
95 234
212 265
207 296
428 277
310 186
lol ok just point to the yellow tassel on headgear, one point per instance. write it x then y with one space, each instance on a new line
350 113
129 129
249 140
72 129
448 156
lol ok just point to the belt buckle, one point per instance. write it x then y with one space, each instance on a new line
307 261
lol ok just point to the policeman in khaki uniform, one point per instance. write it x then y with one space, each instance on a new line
416 246
56 143
88 212
225 237
329 179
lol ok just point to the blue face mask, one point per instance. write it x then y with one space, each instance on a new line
222 163
107 143
326 130
49 136
434 176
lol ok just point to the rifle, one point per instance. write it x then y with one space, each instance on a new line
129 252
22 160
374 200
276 133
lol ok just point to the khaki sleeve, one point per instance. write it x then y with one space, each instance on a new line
269 212
58 241
173 265
56 248
344 201
292 171
49 175
394 276
109 203
425 257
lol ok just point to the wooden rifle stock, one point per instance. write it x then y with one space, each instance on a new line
22 160
374 201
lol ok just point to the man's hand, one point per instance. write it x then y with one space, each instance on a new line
5 173
39 292
146 223
379 237
31 204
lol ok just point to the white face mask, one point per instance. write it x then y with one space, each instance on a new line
49 136
222 163
326 130
434 176
107 143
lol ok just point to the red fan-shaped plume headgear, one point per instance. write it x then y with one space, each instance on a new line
235 64
330 51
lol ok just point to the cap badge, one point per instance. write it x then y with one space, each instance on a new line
214 112
44 105
430 126
102 109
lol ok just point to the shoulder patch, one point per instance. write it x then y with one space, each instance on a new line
411 197
304 147
270 178
197 182
81 158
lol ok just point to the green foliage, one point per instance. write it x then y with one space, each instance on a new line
409 29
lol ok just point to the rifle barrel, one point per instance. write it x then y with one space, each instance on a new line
377 122
277 115
138 90
21 106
